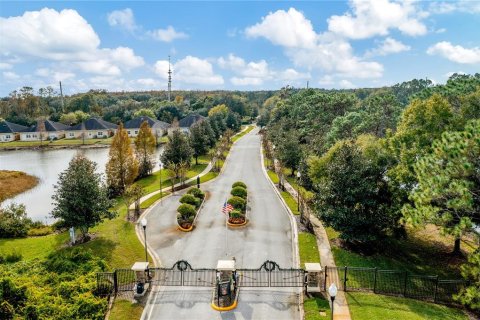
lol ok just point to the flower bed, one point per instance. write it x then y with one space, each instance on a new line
188 210
238 200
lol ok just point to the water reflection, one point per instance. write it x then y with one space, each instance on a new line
47 165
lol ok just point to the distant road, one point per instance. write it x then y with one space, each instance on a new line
268 236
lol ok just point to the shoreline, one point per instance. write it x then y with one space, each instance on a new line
55 147
14 182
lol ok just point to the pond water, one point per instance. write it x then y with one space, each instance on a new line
47 165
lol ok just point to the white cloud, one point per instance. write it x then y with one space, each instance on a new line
62 37
190 70
286 28
345 84
375 17
326 80
292 75
388 46
457 53
122 18
148 82
306 49
9 75
465 6
336 56
5 66
167 35
246 81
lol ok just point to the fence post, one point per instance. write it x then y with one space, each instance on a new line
345 280
325 282
375 281
435 292
115 281
405 287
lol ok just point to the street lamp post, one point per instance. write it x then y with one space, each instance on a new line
144 225
298 191
332 291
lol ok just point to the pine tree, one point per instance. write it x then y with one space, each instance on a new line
145 149
198 140
81 199
122 166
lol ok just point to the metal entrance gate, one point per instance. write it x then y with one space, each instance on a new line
182 274
271 275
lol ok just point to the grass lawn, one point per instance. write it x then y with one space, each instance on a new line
147 203
307 245
15 182
125 310
316 308
34 247
291 202
367 306
60 142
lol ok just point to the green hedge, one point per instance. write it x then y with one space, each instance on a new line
238 203
196 193
239 184
186 211
190 199
239 192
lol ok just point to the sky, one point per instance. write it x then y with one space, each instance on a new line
235 45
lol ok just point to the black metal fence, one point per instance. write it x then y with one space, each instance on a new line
270 274
393 282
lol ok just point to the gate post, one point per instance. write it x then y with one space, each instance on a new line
115 283
375 281
435 292
345 280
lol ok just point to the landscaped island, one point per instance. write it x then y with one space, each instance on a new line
15 182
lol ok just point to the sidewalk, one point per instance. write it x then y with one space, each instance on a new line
341 310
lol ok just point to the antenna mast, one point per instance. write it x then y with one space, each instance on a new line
61 96
169 80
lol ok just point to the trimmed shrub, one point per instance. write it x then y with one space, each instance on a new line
236 214
238 203
239 184
186 210
40 231
197 193
239 192
190 199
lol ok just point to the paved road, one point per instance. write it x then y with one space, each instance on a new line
267 237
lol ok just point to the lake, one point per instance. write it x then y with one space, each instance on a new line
47 165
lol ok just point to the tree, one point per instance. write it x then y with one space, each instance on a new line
144 112
133 194
14 221
199 140
448 190
288 150
81 198
352 192
470 295
208 132
145 149
221 108
233 121
122 166
177 152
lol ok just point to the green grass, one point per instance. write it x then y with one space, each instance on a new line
60 142
147 203
307 246
125 310
367 306
241 134
35 247
291 202
273 176
314 305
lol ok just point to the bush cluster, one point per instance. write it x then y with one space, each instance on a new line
190 199
238 200
239 192
10 257
197 193
239 184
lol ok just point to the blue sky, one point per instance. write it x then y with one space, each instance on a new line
234 45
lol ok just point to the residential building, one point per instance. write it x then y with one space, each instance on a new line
10 131
44 130
93 128
159 128
185 123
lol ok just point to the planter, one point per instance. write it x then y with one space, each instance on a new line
188 226
239 221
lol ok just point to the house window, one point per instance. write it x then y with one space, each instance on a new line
34 135
100 133
7 136
128 131
71 134
136 131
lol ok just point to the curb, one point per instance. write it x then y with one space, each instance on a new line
237 225
229 308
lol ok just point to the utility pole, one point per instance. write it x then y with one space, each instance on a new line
307 84
169 80
61 96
